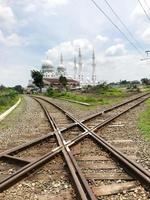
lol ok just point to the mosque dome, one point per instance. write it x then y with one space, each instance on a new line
47 66
61 70
61 67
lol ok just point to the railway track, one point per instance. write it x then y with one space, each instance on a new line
70 133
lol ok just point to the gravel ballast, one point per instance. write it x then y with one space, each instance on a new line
23 124
19 127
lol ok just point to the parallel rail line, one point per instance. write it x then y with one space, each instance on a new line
84 191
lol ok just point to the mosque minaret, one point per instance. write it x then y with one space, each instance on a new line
80 67
93 68
50 72
75 68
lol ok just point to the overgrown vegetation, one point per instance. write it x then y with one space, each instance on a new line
144 122
103 90
8 97
100 94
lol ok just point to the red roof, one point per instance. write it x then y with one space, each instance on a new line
56 81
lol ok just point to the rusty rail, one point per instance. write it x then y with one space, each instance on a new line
136 171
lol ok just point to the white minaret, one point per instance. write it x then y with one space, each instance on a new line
61 70
80 67
93 68
61 59
75 68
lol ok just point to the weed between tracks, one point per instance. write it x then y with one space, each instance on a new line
94 97
144 121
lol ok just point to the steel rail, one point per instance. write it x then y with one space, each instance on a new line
137 171
14 150
18 175
26 145
40 139
14 159
21 173
113 107
81 183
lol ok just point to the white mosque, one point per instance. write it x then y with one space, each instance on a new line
50 73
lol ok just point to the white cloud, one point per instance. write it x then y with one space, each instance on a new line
55 2
146 35
7 17
141 22
11 40
71 47
82 43
42 5
104 64
137 12
100 38
35 22
18 73
30 8
68 49
116 50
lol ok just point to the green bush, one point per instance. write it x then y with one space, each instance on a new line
101 96
7 98
104 90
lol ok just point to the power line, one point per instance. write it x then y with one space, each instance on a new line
147 4
148 17
124 25
101 10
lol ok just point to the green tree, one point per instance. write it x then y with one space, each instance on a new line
2 87
63 81
19 89
145 81
37 79
124 82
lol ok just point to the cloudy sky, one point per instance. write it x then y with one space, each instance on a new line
31 30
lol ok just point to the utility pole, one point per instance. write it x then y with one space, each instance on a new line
147 54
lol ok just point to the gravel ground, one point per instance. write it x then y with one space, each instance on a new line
51 182
130 131
19 127
143 152
102 168
139 147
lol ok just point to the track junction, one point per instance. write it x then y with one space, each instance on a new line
86 153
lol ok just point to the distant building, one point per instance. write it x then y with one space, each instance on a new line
51 76
31 87
54 82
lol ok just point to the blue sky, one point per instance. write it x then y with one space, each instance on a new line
31 30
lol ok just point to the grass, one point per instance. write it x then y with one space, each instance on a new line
109 96
13 116
8 98
144 122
